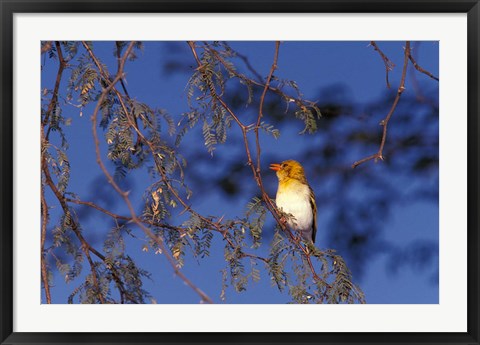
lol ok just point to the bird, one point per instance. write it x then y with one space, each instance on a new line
296 197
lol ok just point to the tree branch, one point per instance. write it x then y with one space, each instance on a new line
260 107
389 65
420 69
384 122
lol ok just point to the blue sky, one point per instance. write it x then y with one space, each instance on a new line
314 66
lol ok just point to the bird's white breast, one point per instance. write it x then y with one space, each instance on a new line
297 203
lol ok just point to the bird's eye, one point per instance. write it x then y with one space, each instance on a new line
283 165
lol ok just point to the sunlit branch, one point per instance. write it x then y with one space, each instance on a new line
419 94
260 107
384 122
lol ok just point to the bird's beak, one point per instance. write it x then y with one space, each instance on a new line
275 166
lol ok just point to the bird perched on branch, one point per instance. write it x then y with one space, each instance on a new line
296 197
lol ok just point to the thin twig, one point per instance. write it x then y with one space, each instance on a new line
384 122
127 219
420 96
420 69
262 101
389 65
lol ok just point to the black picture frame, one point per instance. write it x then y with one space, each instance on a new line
10 7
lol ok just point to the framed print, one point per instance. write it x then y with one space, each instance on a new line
201 172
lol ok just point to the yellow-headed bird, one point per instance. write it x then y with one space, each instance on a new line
296 197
